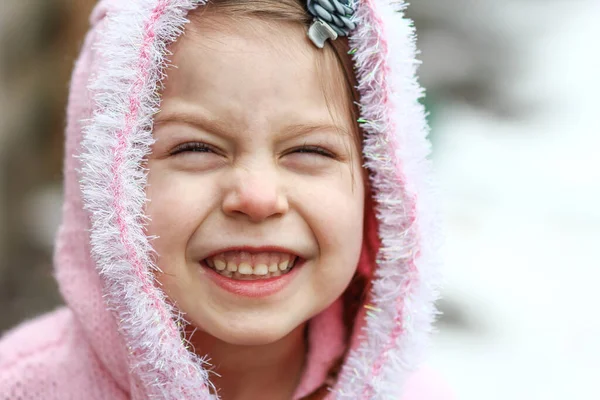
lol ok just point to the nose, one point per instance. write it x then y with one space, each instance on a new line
256 195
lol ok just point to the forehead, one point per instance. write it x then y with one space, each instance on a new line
252 70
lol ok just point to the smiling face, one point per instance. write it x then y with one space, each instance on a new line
253 168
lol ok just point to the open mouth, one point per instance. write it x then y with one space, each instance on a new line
240 265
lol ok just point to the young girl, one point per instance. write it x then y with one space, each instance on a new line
247 212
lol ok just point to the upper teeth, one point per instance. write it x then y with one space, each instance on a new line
251 264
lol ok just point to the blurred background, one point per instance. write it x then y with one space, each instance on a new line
512 89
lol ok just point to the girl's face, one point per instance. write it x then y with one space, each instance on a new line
253 170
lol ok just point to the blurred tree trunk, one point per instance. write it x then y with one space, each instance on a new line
39 41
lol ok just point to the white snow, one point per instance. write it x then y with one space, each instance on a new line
522 217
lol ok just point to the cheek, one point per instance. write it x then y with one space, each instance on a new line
343 211
337 223
175 207
346 217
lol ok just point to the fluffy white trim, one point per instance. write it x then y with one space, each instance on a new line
131 51
396 150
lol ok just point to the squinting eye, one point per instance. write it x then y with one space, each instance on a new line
314 150
193 147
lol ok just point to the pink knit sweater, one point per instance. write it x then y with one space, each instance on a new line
116 338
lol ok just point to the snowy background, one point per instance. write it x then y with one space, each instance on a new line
513 88
519 166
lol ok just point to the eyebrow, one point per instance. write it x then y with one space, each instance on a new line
195 120
223 129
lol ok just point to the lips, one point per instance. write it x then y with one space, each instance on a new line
254 273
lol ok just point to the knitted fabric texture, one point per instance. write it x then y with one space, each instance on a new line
119 338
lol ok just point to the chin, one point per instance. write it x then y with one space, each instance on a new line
254 339
249 331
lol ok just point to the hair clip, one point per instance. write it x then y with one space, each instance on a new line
332 18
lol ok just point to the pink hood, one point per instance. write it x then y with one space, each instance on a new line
103 258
